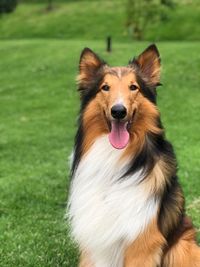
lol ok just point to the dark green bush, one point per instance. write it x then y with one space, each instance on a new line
7 6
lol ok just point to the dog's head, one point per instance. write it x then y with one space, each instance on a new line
120 100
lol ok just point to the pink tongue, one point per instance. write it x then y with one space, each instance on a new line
119 135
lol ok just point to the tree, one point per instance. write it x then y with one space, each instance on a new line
168 3
7 6
140 13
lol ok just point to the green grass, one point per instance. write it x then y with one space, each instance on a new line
39 104
95 20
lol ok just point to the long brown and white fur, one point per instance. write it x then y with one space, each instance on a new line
126 205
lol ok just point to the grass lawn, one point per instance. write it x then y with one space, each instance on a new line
96 19
38 107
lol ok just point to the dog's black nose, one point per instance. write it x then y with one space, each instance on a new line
118 111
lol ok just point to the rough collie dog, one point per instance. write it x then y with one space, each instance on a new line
126 205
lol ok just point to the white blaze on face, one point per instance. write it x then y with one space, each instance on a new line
119 100
119 73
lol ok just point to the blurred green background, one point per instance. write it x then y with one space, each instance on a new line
40 44
125 20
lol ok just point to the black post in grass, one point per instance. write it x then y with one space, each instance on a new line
109 44
49 5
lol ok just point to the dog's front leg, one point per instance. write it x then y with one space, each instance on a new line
146 251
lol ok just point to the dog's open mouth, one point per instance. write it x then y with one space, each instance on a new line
119 135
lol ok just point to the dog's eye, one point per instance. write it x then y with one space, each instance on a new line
133 87
105 87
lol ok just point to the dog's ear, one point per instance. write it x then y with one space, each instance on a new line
89 66
149 65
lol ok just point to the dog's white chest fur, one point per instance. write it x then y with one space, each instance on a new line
107 213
